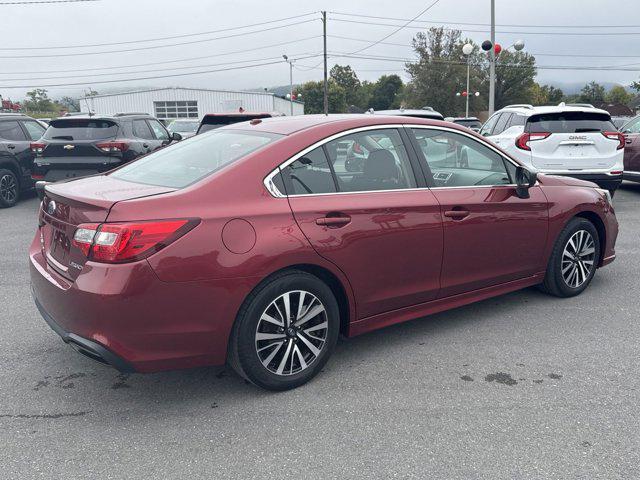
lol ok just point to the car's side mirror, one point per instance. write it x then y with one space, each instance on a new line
525 179
176 136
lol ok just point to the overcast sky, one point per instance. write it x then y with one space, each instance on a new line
109 21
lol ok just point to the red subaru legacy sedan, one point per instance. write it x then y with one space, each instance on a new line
254 244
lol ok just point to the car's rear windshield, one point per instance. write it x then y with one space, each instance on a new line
211 122
187 162
570 122
469 123
81 129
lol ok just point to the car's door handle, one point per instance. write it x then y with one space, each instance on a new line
11 146
337 221
456 214
145 145
628 140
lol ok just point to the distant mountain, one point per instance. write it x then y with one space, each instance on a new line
570 88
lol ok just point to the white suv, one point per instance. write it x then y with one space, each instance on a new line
575 140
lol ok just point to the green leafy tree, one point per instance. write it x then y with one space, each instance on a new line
70 103
593 93
618 94
346 78
515 73
554 95
313 95
38 100
386 92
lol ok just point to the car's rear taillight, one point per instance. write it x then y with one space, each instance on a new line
522 142
130 241
37 147
617 136
113 147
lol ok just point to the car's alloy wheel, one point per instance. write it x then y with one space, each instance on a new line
285 331
291 332
574 259
9 189
578 258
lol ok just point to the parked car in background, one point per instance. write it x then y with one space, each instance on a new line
573 140
212 121
185 127
76 146
471 123
631 132
17 131
426 112
44 121
619 122
253 244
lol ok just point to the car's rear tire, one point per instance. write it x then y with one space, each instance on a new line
9 188
574 259
277 350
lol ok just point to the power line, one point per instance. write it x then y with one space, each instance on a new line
435 22
487 31
151 47
581 55
305 55
264 47
398 29
37 2
159 38
147 78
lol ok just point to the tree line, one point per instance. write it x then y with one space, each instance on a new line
439 72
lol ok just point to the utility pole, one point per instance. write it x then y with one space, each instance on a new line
290 62
324 40
492 60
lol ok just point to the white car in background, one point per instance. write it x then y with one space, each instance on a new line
574 140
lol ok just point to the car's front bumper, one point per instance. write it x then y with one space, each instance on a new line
603 180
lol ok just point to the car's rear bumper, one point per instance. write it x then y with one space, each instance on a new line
87 347
124 315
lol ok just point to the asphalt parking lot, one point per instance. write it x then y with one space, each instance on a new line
520 386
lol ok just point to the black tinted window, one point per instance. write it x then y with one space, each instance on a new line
517 120
81 129
142 130
11 131
186 162
309 174
570 122
501 125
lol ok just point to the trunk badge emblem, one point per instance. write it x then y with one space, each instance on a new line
51 208
69 147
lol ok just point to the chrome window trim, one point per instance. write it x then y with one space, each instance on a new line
273 190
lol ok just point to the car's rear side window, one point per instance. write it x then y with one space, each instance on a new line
309 174
187 162
81 129
570 122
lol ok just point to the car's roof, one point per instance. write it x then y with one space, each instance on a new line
238 114
113 117
409 113
528 110
470 119
296 123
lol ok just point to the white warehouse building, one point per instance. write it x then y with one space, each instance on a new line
177 102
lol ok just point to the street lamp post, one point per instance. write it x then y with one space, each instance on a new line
290 62
492 60
467 49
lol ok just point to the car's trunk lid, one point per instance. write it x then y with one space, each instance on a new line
68 204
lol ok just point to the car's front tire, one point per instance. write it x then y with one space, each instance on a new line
9 188
574 259
285 331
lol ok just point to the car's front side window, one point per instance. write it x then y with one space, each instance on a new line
159 131
489 124
457 160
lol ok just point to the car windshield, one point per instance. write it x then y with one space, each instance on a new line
570 122
187 162
81 129
184 127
